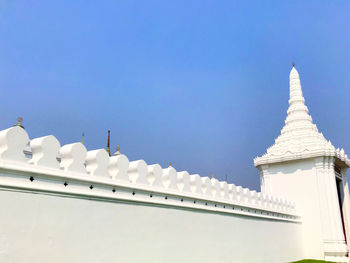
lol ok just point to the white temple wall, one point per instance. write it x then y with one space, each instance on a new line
311 184
67 204
298 182
50 228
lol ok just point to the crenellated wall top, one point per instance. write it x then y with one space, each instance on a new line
72 170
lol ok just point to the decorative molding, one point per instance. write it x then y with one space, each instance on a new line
76 172
299 138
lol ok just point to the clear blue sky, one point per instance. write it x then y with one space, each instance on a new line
203 84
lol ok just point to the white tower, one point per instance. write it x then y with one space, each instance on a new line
303 166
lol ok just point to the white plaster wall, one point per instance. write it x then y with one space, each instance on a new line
298 182
311 184
47 228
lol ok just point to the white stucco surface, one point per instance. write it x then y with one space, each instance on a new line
305 167
68 204
298 181
48 228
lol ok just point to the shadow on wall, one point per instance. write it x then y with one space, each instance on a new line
292 166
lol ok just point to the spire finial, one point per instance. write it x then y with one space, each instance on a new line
212 176
293 64
19 122
169 164
82 138
108 143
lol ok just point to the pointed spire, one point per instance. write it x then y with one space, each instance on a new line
19 123
212 176
82 138
297 113
108 143
169 164
295 91
299 136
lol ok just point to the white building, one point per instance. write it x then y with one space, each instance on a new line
304 167
67 204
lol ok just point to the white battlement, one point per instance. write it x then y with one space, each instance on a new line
72 170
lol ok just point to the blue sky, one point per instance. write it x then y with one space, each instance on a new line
201 84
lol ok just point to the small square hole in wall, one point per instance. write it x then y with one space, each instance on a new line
133 193
182 199
91 187
65 184
31 178
194 201
206 203
151 195
166 198
113 190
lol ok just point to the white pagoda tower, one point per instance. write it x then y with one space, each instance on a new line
303 166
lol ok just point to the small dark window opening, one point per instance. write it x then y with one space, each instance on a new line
340 192
337 169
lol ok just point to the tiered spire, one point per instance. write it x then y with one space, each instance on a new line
297 114
299 137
